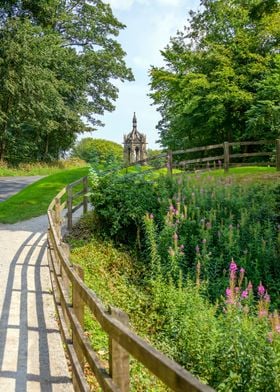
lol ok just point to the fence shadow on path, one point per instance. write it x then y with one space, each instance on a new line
27 357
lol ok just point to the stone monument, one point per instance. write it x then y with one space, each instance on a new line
134 145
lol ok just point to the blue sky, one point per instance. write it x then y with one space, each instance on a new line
150 24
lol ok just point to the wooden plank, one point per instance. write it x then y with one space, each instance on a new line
226 156
74 209
251 154
85 198
119 358
197 149
244 164
69 208
77 194
80 381
75 183
102 376
78 307
200 160
252 143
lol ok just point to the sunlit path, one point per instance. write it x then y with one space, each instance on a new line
31 353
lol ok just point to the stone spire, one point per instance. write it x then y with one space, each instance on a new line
134 144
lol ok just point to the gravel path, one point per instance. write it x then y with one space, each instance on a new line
31 352
11 185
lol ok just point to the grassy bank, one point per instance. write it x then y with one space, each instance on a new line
33 200
40 169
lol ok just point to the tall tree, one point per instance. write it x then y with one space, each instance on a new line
217 71
58 63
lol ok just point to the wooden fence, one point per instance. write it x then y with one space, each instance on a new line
72 295
225 155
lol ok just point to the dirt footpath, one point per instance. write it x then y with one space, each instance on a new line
31 352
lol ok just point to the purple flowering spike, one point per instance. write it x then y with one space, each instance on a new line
232 266
244 294
261 290
228 292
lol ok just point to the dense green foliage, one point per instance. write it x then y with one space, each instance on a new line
221 79
233 345
57 63
99 152
210 219
34 200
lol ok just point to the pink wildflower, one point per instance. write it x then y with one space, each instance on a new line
250 286
261 290
244 294
228 292
267 297
233 266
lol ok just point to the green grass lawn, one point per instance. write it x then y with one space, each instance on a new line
33 200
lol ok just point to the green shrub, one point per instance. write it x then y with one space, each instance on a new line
196 219
120 202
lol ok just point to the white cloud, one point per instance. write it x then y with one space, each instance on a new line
174 3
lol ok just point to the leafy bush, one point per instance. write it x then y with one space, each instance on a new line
120 202
197 219
99 152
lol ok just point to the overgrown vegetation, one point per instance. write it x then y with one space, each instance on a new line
204 271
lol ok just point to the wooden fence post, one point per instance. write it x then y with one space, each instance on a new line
69 208
85 197
119 358
78 307
226 156
57 217
169 162
278 154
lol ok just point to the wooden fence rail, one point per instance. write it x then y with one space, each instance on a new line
226 156
72 295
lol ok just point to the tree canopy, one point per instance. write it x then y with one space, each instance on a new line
221 79
58 63
99 152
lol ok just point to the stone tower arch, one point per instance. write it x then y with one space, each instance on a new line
134 145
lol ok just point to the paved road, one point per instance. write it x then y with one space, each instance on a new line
31 353
11 185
